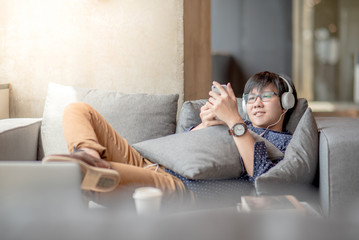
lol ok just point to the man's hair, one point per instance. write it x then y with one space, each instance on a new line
262 79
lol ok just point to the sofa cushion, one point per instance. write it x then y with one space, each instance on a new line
300 160
19 138
296 115
136 117
208 153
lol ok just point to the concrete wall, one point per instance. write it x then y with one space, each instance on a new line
125 45
257 33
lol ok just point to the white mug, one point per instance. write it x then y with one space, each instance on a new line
147 200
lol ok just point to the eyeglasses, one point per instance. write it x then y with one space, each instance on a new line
264 97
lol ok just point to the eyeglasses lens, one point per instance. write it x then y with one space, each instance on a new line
265 97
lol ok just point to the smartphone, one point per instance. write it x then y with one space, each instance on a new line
216 90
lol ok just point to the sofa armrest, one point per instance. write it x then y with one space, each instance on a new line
338 163
19 138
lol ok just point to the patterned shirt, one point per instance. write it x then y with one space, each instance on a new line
261 163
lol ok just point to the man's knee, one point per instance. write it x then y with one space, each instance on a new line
77 106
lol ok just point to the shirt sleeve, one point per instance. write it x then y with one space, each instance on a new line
189 129
261 161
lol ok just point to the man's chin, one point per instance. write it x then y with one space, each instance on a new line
259 125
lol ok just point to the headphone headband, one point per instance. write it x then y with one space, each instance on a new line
290 90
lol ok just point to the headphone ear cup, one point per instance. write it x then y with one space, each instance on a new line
288 100
244 107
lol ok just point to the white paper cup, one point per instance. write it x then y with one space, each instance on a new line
147 200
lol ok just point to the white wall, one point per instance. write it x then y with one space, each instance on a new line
132 46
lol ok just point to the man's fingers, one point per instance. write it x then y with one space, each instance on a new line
230 91
209 104
220 88
204 107
207 116
205 110
211 101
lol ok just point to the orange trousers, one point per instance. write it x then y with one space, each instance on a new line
85 127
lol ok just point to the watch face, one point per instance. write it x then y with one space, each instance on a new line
238 130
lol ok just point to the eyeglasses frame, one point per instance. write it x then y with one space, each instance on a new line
260 95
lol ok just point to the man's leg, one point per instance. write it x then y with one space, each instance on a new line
85 128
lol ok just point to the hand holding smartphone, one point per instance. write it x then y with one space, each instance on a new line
216 90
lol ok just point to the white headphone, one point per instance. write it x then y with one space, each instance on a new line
287 98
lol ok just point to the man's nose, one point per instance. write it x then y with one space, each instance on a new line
258 101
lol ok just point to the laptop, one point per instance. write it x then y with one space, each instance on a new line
33 187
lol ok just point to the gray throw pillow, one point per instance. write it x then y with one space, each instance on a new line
296 115
209 153
300 161
136 117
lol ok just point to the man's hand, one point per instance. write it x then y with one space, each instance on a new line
224 105
208 118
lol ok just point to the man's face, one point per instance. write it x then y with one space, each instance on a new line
263 113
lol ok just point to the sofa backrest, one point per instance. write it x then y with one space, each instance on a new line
136 117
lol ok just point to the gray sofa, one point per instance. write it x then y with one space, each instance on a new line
336 186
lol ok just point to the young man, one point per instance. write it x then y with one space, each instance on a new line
269 102
108 162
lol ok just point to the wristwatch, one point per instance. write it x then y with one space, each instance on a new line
238 129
